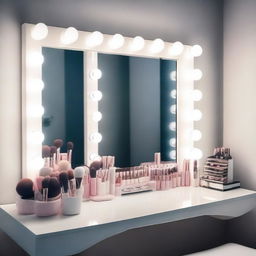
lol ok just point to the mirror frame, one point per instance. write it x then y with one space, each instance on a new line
32 100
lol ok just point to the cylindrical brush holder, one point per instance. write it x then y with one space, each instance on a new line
71 205
48 208
25 206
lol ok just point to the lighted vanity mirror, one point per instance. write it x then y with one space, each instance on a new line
138 105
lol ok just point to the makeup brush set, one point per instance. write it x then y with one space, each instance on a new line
58 188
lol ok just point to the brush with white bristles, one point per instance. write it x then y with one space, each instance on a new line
58 144
53 156
46 153
70 146
79 174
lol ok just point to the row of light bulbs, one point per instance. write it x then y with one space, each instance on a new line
70 35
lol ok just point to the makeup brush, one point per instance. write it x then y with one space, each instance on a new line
58 144
70 173
46 153
52 186
79 174
53 156
64 165
25 188
70 146
45 171
63 177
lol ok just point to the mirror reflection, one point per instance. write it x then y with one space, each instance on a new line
138 105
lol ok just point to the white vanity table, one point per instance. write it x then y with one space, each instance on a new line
63 235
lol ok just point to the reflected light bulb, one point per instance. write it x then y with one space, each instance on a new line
137 43
96 95
116 41
173 109
172 126
35 59
97 116
197 95
157 46
196 50
173 94
197 74
95 157
95 74
197 115
35 111
35 85
39 31
96 137
172 154
172 142
173 75
176 49
196 135
196 154
69 35
94 39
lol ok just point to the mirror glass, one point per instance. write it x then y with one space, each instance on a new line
138 105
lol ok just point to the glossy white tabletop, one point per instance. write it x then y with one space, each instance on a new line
127 207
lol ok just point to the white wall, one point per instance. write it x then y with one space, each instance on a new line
10 103
240 102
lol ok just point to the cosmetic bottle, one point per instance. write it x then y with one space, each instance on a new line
187 174
112 180
196 174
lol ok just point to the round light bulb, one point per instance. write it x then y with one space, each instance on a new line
173 94
97 116
172 126
157 46
35 59
137 43
196 135
39 31
196 50
69 35
196 154
176 49
172 154
197 115
197 74
172 142
95 157
173 109
197 95
96 137
36 138
173 75
35 111
96 95
116 42
37 163
35 85
94 39
95 74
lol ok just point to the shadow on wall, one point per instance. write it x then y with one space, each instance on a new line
242 230
173 239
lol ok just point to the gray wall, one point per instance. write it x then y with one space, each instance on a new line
189 21
239 103
53 96
144 109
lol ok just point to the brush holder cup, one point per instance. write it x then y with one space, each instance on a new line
49 208
71 205
25 206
